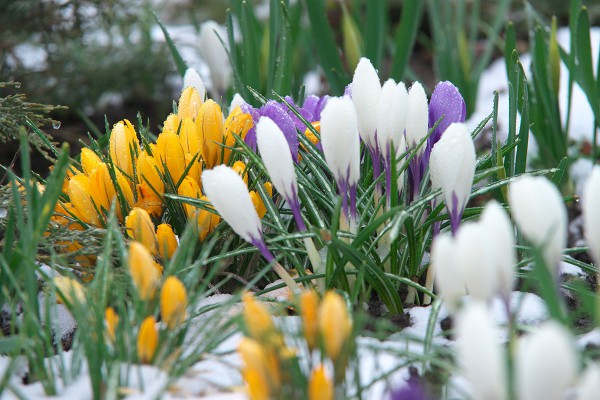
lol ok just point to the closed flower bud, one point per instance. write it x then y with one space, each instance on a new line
167 242
366 90
141 228
171 124
474 251
148 200
144 271
538 209
189 188
417 118
240 168
69 290
320 386
89 160
148 173
169 154
309 306
206 221
261 371
210 128
189 103
80 190
335 324
546 363
124 147
591 214
173 302
447 270
189 137
258 320
212 42
111 319
147 340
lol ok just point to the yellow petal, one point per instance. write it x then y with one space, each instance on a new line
320 386
89 160
124 146
173 302
143 270
207 221
258 320
237 123
309 304
195 170
259 205
189 137
266 377
79 194
240 168
70 291
189 103
172 123
210 128
148 172
167 242
147 340
149 201
334 323
111 320
189 188
170 154
141 228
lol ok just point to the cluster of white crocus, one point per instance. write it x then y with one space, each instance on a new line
545 361
539 211
479 260
591 213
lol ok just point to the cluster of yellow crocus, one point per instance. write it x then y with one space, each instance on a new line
325 323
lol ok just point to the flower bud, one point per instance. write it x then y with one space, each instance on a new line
141 228
366 90
89 160
111 319
258 320
173 302
320 386
213 47
148 173
446 267
147 340
417 118
193 79
80 189
144 271
210 129
69 290
189 188
189 103
124 146
309 306
167 242
189 137
169 154
335 324
206 221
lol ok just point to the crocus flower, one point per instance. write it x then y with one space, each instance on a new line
479 353
446 103
309 306
173 302
124 147
141 229
446 269
147 340
210 130
591 214
540 213
69 290
335 324
412 390
80 191
167 241
416 130
170 155
366 90
89 161
229 195
111 319
193 79
341 147
258 320
452 168
190 102
545 364
315 105
589 385
144 271
261 372
320 386
212 42
275 153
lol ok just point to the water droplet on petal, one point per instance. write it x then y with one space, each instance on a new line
55 124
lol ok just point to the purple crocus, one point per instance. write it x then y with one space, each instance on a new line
412 390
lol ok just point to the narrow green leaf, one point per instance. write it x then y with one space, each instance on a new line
375 31
179 63
405 37
250 46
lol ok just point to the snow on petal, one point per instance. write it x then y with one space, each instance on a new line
193 79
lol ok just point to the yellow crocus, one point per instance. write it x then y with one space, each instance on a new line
259 322
189 188
189 103
80 190
89 160
69 290
240 168
147 340
309 306
148 173
320 386
311 136
210 128
206 221
143 270
167 242
195 170
334 323
169 154
141 228
172 123
111 320
148 200
124 146
256 386
173 302
258 202
237 123
189 137
262 370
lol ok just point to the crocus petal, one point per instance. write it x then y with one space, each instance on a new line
365 96
540 213
446 101
591 214
452 168
479 353
474 257
448 274
417 117
320 386
546 363
278 113
229 195
315 105
212 40
391 118
589 386
193 79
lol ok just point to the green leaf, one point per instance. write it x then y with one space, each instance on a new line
375 31
405 37
179 63
250 47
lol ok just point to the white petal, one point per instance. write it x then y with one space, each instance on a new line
538 209
590 203
503 253
340 140
275 152
452 164
474 257
215 55
448 275
365 96
546 363
237 101
391 117
590 383
417 122
479 352
192 78
229 195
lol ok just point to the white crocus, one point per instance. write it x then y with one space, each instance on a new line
540 213
365 96
589 386
479 353
591 213
237 101
212 40
452 168
546 364
445 267
193 79
473 248
503 253
275 152
417 122
341 147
